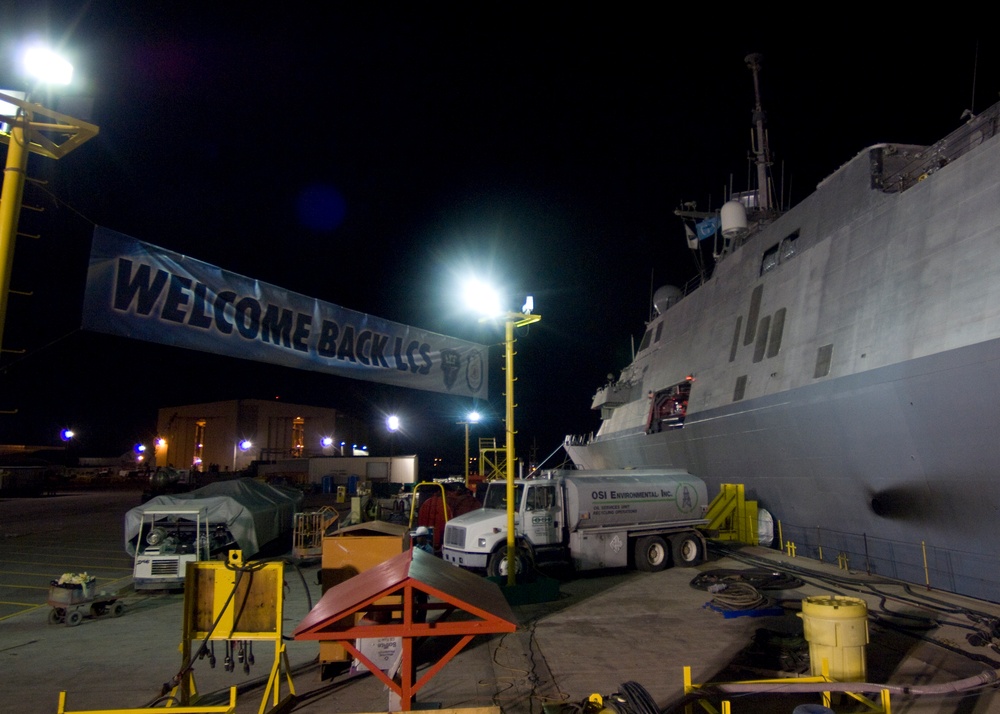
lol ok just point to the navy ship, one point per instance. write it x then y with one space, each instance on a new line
842 361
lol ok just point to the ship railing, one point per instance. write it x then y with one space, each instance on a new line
921 563
913 166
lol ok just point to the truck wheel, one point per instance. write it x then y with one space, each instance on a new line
686 550
55 616
497 565
651 554
73 618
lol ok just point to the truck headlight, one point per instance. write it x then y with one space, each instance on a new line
481 542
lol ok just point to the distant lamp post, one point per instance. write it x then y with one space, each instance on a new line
159 451
242 445
470 418
486 300
392 424
30 128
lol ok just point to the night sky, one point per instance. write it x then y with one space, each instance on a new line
372 154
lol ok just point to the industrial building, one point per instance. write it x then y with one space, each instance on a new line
231 435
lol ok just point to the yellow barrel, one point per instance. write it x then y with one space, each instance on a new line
836 628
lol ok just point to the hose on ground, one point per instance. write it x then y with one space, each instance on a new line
982 679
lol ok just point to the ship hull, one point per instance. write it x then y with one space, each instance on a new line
883 466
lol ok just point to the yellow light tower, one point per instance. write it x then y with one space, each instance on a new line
512 320
30 128
486 301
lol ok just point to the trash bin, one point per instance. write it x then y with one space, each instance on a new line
836 628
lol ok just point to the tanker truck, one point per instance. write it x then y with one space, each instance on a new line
593 519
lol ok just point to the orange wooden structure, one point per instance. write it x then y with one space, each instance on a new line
430 590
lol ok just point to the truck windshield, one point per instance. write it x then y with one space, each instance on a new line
496 495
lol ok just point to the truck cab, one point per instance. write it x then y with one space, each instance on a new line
478 539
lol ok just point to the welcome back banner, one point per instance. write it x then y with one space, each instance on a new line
139 290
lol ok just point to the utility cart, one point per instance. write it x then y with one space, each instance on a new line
71 596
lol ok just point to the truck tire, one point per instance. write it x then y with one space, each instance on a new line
651 554
686 549
496 567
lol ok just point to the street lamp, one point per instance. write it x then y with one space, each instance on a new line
486 301
30 128
241 445
392 424
470 418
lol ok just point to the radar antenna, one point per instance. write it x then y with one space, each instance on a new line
761 150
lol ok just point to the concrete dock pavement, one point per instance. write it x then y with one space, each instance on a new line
604 629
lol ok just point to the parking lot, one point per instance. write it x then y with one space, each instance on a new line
72 532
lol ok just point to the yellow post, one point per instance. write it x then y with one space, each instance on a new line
513 319
509 363
10 208
54 136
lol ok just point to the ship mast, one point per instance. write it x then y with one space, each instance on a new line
761 151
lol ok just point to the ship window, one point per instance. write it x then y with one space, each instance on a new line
755 298
645 340
741 388
788 246
736 338
770 260
659 331
824 356
777 328
758 350
779 252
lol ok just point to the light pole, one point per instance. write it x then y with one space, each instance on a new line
470 418
29 128
487 302
241 445
392 424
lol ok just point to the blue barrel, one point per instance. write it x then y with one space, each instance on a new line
328 485
352 485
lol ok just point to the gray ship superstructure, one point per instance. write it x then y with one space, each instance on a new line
843 362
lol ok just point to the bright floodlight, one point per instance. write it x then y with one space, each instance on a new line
43 64
481 298
66 434
392 423
326 441
245 445
473 417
